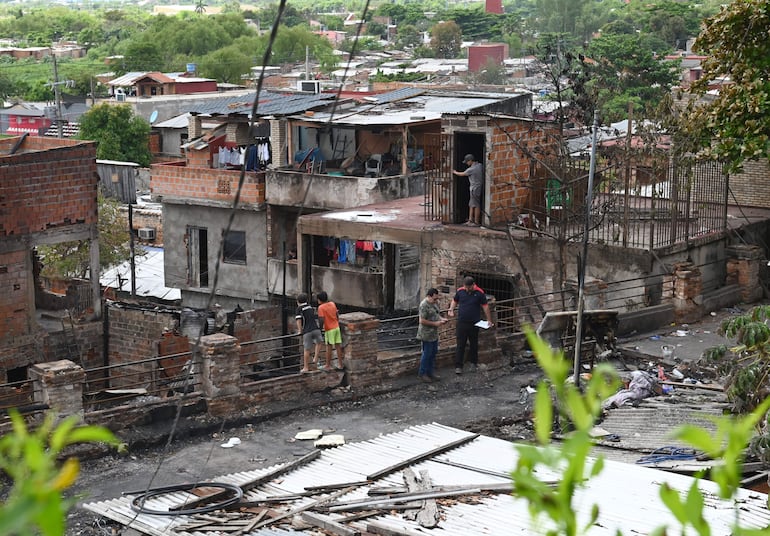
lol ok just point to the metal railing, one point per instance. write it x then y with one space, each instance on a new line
155 378
271 357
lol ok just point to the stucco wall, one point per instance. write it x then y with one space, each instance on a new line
242 283
329 192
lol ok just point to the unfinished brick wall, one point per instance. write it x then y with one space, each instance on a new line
15 281
510 146
47 189
199 181
134 335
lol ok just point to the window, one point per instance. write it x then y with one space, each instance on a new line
235 247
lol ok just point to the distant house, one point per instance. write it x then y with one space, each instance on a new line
36 118
150 84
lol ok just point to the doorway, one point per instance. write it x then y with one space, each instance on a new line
467 143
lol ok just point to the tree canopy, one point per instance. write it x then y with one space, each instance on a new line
734 125
446 39
121 134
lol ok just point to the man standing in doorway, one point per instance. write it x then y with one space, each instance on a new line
469 300
475 175
427 332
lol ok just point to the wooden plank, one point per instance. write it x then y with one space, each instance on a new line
428 516
323 522
402 498
707 386
420 457
309 506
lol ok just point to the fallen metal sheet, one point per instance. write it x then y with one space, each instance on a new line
627 495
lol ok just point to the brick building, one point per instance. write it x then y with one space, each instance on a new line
48 190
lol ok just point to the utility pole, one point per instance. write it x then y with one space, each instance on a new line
59 119
57 97
583 259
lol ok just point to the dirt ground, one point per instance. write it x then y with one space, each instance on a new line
487 402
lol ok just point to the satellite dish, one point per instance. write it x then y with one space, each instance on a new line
153 116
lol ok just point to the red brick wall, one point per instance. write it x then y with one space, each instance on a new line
47 188
14 297
508 168
206 183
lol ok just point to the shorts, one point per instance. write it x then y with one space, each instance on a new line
309 340
333 336
475 200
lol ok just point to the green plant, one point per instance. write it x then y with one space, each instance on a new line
35 504
579 409
576 409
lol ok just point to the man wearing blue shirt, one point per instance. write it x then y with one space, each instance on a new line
469 300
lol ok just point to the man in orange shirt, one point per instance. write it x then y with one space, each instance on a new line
329 317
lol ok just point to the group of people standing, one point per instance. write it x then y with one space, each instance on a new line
469 302
310 324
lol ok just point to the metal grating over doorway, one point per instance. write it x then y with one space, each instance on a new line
501 286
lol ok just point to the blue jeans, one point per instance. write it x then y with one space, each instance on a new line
428 358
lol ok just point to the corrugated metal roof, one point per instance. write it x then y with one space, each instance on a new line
627 495
149 276
397 95
270 103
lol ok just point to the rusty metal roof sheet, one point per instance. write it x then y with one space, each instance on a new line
626 494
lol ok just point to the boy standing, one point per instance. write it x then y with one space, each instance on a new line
308 328
329 317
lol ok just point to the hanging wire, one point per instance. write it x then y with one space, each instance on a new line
233 212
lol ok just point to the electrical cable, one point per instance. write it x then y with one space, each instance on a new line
137 504
668 453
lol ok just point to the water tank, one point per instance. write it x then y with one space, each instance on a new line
192 67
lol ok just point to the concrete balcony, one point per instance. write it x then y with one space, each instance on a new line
356 286
276 280
287 187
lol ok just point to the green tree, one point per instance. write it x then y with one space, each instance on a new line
121 134
35 502
142 55
446 39
734 125
628 69
72 259
491 73
227 64
408 36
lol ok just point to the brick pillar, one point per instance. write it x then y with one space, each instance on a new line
60 385
278 142
594 292
194 127
220 372
743 264
688 286
360 339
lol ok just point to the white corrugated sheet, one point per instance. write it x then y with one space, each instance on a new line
627 495
150 281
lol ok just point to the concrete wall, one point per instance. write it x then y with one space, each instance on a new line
354 288
329 192
407 288
241 283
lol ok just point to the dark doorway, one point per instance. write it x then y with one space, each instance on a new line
467 143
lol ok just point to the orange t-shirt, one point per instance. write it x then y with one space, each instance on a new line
327 313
